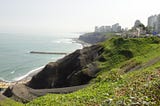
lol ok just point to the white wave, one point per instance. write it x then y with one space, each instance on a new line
12 72
67 40
1 79
29 73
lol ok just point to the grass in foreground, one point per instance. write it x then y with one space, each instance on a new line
9 102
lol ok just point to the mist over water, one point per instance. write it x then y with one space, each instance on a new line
16 60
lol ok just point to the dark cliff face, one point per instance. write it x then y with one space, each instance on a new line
75 69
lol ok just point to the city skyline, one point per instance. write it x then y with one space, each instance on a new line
72 15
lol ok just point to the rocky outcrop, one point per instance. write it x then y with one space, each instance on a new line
93 38
75 69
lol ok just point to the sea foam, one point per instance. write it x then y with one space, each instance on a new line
29 74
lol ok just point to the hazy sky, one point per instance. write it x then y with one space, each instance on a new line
72 15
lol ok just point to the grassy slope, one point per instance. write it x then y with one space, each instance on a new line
9 102
113 86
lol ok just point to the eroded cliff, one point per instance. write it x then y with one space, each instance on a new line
75 69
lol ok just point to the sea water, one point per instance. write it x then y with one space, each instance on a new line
16 61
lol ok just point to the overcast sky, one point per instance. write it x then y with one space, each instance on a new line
72 15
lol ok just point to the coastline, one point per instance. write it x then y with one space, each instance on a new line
21 80
30 74
84 44
27 77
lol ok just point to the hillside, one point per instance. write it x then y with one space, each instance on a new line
95 37
129 75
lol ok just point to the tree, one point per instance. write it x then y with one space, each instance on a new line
142 26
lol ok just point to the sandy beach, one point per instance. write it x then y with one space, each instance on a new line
4 84
27 78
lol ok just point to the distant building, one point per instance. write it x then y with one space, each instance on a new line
114 28
154 23
157 28
126 29
108 29
102 29
96 29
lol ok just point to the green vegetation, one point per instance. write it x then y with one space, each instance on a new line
130 75
9 102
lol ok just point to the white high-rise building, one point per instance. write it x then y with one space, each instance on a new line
108 29
116 28
102 29
157 28
154 23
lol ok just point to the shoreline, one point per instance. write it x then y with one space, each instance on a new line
27 77
84 44
30 74
22 80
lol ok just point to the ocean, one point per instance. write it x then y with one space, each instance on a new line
16 61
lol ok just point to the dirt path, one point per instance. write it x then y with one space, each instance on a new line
41 92
151 62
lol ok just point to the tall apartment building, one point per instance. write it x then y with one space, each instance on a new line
158 24
108 29
103 29
114 28
154 23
